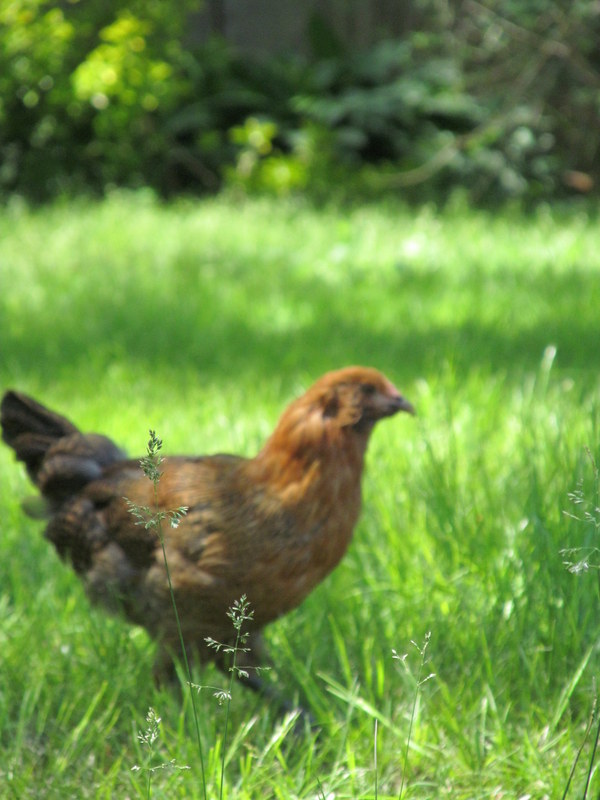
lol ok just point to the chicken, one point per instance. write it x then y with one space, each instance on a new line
269 527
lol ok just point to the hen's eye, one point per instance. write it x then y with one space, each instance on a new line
368 389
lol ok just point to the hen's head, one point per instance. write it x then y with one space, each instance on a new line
342 406
355 398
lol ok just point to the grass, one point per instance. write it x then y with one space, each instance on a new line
203 320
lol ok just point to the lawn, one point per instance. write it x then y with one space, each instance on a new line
453 653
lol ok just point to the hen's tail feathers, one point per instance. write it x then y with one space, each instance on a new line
59 459
31 430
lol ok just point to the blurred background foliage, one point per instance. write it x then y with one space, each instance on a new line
499 98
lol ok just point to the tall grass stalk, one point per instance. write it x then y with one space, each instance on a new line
592 759
153 519
238 613
419 682
588 513
375 756
580 751
147 738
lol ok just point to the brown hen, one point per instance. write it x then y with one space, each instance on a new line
270 527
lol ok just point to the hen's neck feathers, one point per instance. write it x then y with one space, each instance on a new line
310 453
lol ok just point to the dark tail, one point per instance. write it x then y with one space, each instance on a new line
59 459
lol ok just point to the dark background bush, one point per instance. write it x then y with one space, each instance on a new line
501 100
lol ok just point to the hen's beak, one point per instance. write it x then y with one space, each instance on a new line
387 403
395 403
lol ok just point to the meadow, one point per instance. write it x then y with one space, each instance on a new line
454 653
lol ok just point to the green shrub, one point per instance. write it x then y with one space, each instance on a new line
84 89
498 101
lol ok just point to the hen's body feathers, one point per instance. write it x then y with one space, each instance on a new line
271 527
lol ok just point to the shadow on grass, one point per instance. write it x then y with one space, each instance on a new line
501 325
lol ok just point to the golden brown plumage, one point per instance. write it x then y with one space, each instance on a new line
271 527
